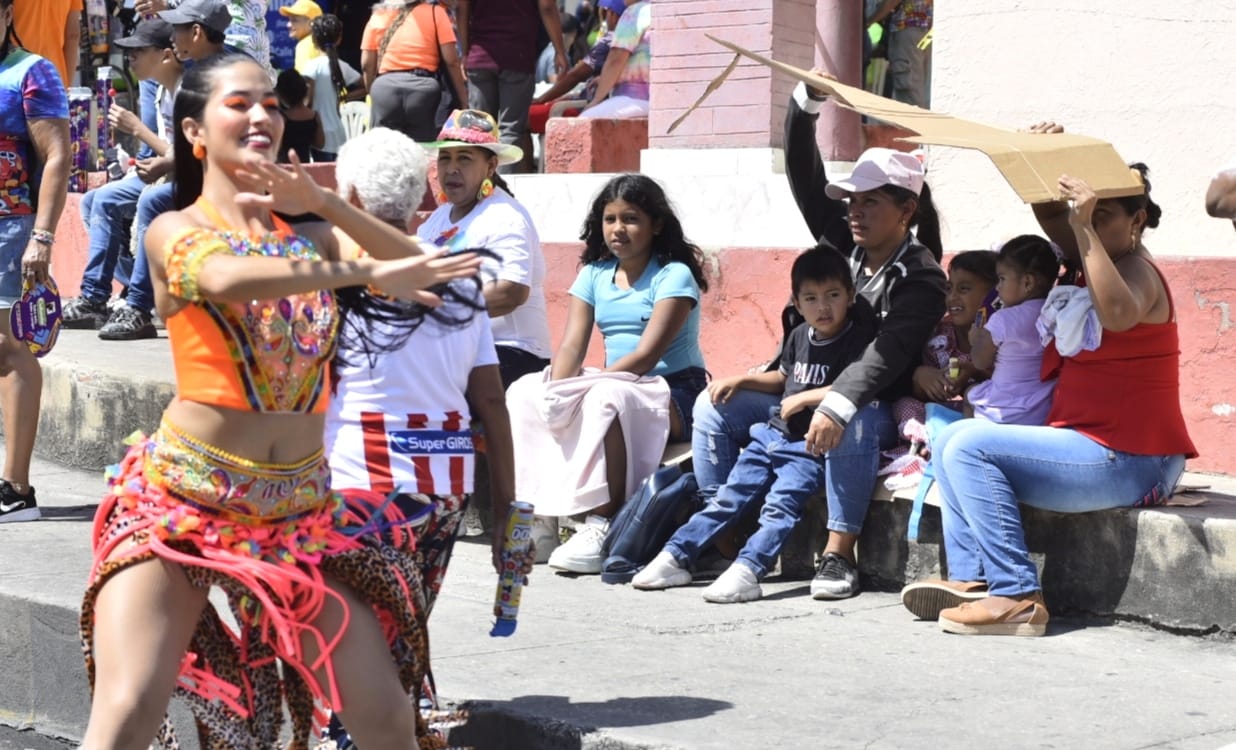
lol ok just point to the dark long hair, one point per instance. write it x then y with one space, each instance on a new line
327 30
190 102
374 325
670 244
926 220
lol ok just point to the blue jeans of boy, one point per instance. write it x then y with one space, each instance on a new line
721 430
772 468
152 202
983 469
850 472
108 214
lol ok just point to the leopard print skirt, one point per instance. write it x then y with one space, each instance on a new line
274 571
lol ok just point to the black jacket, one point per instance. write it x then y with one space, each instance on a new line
910 301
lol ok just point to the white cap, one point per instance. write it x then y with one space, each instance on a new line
878 167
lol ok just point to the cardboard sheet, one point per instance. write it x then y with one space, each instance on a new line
1031 163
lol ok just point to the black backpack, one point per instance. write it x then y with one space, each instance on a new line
662 503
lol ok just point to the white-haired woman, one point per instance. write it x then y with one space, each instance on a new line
400 420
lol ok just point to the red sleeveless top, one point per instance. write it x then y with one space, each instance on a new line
1126 394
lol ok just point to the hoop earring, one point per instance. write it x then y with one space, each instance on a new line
199 151
487 189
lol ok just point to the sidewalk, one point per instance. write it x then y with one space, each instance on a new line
595 666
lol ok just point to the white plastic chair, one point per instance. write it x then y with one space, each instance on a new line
355 116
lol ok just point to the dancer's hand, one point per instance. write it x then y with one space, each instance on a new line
406 278
289 190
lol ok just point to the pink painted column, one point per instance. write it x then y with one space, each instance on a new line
749 110
839 50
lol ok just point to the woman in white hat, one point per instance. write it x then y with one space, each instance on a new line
476 209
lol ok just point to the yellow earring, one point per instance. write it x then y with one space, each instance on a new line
487 189
199 151
442 199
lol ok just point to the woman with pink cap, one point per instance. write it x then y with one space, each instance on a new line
883 219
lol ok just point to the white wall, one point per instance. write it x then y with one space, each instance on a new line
1153 78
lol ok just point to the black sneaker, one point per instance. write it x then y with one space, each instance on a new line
17 507
81 312
836 578
128 324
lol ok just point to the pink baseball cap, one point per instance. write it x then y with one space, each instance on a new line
876 168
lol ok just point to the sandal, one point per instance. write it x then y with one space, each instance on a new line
926 599
998 615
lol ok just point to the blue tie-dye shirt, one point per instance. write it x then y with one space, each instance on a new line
30 89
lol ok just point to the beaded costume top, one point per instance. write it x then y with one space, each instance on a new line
268 355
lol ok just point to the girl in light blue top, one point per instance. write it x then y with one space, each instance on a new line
640 285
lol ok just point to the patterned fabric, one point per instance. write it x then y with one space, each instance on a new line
435 541
916 13
274 575
277 349
30 89
634 34
206 479
248 30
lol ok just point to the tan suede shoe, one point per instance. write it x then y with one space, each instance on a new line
998 615
925 599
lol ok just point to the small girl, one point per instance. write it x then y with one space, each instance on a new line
946 367
330 82
1026 269
302 129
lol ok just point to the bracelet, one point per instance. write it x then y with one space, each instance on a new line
43 237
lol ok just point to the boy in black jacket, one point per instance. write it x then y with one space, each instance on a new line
776 467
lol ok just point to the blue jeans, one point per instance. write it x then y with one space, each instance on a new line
850 471
720 431
14 238
149 114
152 202
984 468
774 469
108 213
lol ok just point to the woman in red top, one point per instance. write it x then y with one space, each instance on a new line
1095 453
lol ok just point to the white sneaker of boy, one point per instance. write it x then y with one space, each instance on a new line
662 573
737 584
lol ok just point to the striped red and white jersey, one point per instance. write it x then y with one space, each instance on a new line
401 421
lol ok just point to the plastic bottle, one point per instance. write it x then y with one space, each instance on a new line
515 546
954 368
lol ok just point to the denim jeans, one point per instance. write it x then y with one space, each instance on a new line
850 471
720 431
154 201
148 112
983 469
774 469
108 214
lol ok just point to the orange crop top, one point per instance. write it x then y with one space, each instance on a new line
267 356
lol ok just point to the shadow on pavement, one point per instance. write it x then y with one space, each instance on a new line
69 513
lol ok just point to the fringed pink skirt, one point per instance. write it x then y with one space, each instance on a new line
268 535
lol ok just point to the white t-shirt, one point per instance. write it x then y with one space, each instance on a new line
326 101
501 225
403 422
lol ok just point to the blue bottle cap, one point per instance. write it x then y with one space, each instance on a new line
503 628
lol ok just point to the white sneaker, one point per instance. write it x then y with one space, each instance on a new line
545 536
737 584
582 552
663 572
